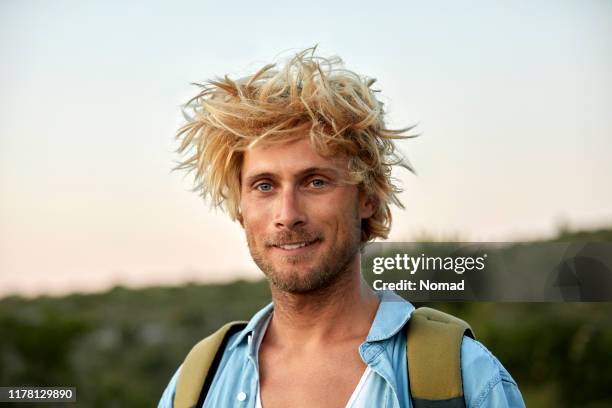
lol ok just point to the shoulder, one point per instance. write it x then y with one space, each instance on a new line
167 398
486 383
228 361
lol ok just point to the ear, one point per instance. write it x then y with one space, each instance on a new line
240 218
368 204
238 207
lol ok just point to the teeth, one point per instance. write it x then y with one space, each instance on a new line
293 246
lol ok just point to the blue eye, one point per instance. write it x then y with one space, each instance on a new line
318 183
264 187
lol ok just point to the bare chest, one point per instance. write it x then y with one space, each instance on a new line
315 380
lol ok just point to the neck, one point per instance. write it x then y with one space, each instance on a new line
344 310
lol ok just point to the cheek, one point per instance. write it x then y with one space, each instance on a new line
338 213
253 217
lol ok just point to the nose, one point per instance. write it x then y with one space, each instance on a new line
289 213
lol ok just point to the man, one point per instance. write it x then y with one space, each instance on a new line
302 158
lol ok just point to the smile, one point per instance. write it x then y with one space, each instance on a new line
296 245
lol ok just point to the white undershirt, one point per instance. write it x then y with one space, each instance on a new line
359 395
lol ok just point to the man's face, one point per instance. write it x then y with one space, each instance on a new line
302 220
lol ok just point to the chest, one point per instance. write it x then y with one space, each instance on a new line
322 379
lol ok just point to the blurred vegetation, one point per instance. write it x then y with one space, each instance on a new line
120 348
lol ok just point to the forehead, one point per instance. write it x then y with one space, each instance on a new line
289 158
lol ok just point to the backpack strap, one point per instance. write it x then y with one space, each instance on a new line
434 358
433 350
203 359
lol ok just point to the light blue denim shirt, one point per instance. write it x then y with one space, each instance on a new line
486 383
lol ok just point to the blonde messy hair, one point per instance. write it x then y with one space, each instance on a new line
309 95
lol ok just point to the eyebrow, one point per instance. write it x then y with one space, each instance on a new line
330 171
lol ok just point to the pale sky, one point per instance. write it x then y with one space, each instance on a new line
513 100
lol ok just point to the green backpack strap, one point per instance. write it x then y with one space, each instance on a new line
434 358
203 359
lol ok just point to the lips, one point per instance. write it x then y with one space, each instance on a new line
290 246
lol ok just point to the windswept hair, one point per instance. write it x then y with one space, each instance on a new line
309 95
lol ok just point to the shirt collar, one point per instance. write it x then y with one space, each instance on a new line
391 316
256 321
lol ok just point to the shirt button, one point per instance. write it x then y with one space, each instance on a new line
241 396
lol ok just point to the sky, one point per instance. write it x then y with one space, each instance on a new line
512 101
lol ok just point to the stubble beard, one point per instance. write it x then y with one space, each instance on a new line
331 267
